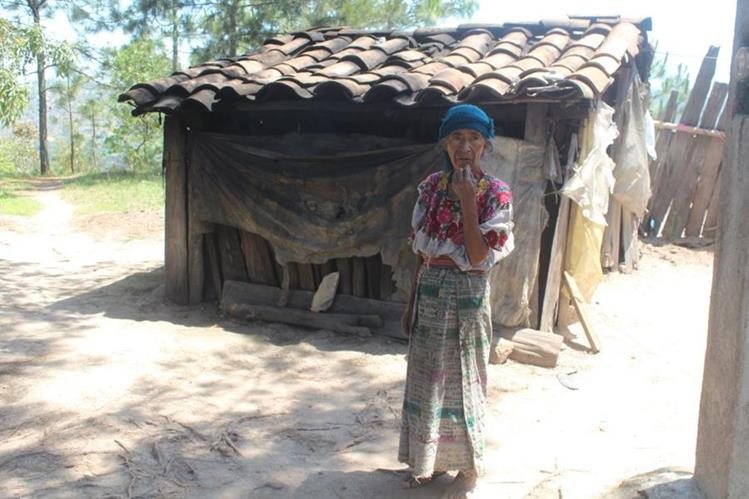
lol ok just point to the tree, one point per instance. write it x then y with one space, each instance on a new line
235 26
29 42
663 79
172 18
93 110
67 91
136 142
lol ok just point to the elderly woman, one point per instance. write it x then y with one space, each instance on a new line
462 226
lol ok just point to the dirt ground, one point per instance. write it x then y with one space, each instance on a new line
106 391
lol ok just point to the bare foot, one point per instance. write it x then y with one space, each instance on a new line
413 481
463 484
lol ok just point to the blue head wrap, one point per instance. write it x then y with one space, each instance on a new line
466 116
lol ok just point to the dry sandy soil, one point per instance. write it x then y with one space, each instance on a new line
106 391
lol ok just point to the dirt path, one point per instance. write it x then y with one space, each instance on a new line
107 392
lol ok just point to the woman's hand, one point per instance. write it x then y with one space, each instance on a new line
464 185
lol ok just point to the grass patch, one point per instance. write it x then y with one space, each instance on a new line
13 203
114 192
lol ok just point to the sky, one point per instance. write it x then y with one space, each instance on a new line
682 29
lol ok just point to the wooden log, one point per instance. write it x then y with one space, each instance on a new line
358 277
175 223
258 294
580 307
529 346
556 262
302 318
230 253
694 167
690 130
344 267
258 259
215 268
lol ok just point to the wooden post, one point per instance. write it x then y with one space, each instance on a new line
195 230
722 456
175 224
556 262
535 133
579 302
612 236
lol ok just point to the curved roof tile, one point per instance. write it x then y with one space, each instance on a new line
559 60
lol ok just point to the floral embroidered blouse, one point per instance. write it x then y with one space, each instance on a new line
438 228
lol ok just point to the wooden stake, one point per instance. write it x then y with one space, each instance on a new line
579 304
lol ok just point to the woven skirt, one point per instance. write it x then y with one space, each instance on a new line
443 416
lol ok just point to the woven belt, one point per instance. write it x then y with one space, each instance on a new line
447 263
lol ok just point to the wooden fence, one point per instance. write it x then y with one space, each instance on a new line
685 175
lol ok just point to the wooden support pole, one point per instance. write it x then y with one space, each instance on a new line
175 237
556 262
690 130
579 303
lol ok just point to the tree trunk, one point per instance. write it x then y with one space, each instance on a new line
93 140
41 86
233 8
70 127
175 35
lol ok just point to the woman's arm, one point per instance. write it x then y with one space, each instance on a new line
476 248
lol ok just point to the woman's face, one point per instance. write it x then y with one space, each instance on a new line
465 147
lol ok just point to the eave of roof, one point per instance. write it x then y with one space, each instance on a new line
558 60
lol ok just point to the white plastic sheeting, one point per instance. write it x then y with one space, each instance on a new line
592 182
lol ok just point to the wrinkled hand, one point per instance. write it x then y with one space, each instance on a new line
464 185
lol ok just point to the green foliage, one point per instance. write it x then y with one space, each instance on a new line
13 202
114 192
663 80
236 26
18 47
136 141
18 153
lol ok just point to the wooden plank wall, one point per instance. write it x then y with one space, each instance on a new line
247 257
685 175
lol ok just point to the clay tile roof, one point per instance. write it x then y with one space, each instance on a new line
564 59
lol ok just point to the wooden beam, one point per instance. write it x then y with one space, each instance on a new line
691 130
580 307
258 294
175 224
556 263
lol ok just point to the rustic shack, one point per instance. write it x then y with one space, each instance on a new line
301 157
